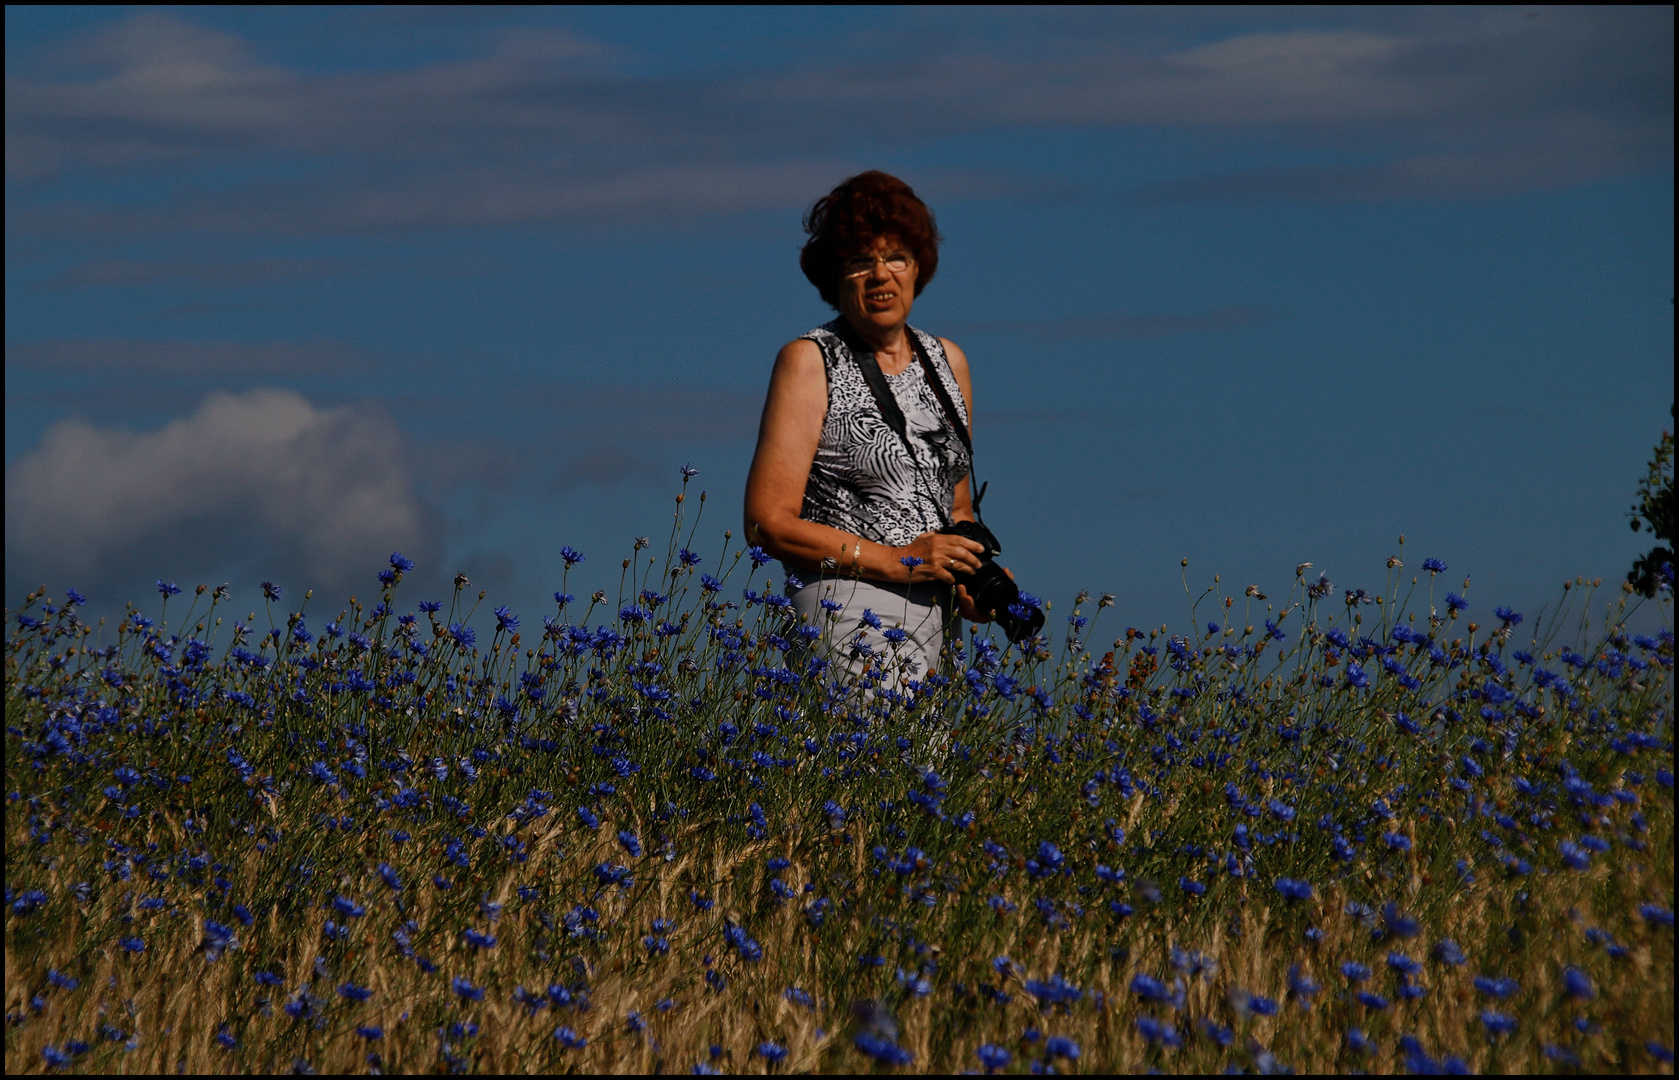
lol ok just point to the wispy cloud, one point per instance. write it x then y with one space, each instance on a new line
206 272
1126 326
534 128
188 358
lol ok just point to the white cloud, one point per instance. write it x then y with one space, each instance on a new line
263 478
525 129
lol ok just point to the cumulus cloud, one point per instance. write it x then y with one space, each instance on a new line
261 482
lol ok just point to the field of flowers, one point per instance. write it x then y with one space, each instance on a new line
1341 830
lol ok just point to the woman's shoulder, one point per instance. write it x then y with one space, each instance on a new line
952 352
803 353
828 330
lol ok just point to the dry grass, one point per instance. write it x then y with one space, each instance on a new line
1027 775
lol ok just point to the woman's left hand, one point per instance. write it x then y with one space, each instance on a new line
965 603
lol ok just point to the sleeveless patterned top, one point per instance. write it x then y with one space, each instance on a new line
863 480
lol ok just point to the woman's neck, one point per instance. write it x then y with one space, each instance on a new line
890 344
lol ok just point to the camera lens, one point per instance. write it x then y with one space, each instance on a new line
995 591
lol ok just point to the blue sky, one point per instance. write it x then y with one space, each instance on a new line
288 288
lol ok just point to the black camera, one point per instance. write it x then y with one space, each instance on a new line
991 589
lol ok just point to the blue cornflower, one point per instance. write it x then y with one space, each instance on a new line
630 843
371 1032
688 558
772 1052
993 1057
401 563
1434 566
571 556
588 817
758 556
1497 1023
464 989
1397 841
1055 990
464 635
478 940
1403 964
1062 1047
1294 890
1148 987
1354 971
430 607
1447 952
882 1049
1498 988
1574 856
1397 923
348 908
870 619
352 992
505 619
689 472
1508 617
168 588
1156 1032
217 938
569 1038
1193 888
1302 986
1372 1001
1456 602
270 591
389 874
1577 984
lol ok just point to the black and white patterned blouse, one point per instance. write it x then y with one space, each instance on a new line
863 480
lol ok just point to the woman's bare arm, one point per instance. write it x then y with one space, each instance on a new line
962 506
794 410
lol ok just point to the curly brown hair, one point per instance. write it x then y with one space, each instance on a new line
851 217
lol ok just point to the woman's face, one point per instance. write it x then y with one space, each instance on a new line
871 291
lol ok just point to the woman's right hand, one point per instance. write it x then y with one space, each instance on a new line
942 557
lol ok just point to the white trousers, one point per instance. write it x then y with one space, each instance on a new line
921 611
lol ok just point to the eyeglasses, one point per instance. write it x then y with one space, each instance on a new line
856 267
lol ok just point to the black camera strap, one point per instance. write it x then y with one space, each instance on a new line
888 404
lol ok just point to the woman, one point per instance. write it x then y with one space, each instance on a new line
849 504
